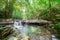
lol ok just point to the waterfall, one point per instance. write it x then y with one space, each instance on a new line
22 29
18 24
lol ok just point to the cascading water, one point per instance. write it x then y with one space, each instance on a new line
17 24
22 29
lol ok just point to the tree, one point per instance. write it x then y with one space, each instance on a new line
9 8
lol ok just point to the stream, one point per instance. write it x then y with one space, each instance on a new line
30 32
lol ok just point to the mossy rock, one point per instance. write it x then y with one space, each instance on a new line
5 31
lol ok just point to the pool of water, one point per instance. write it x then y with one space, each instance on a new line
55 38
31 32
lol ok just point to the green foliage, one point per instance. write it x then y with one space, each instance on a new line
56 25
2 10
6 38
34 9
58 16
57 32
